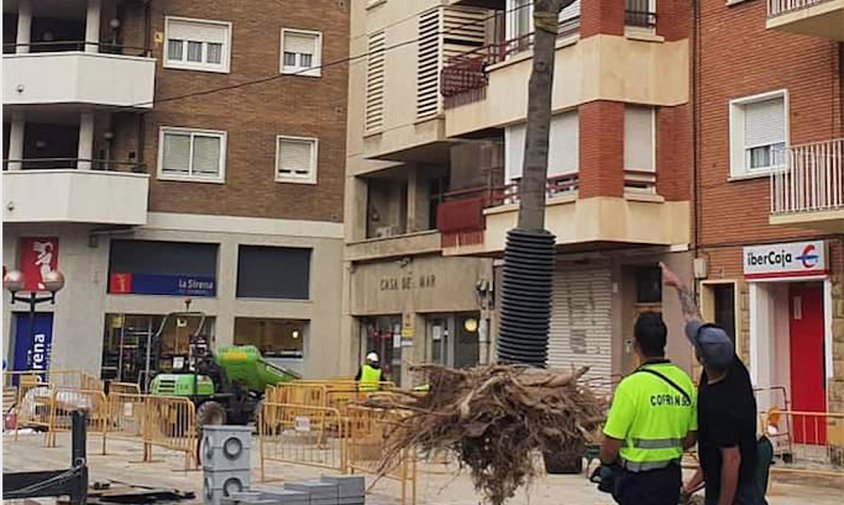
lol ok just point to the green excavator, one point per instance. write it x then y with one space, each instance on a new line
226 386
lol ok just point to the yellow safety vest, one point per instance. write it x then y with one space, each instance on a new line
370 378
652 417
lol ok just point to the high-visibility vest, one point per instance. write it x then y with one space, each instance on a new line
652 417
370 377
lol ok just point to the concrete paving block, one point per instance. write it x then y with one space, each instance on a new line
315 488
347 485
285 496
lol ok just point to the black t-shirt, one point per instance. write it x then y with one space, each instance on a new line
727 418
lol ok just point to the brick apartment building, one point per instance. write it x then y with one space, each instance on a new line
770 205
144 190
436 133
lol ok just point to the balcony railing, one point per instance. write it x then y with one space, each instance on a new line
640 13
63 46
464 78
777 7
812 180
640 181
74 163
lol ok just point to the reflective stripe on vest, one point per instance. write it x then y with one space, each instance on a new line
369 378
663 443
647 466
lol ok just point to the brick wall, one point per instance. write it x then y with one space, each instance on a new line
253 115
739 58
601 149
674 152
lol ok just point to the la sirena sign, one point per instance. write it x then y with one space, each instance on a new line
794 259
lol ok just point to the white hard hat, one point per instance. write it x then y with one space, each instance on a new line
372 357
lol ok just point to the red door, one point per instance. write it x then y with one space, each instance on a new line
808 392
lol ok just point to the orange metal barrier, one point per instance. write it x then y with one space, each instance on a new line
806 442
65 401
302 435
35 403
296 393
126 419
123 388
74 379
368 433
170 423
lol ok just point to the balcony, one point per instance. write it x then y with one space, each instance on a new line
819 18
475 222
34 192
78 77
809 191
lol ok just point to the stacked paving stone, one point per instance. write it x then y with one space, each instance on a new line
329 490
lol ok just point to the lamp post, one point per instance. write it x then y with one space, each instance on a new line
14 281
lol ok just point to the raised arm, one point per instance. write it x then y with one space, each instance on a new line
687 299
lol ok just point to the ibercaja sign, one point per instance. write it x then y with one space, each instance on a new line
794 259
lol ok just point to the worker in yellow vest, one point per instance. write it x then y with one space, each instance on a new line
652 420
370 375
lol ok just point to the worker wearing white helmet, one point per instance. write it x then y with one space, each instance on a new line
370 375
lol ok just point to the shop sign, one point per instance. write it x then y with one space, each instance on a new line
124 283
794 259
39 255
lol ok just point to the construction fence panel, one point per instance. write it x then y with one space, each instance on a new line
302 435
170 423
66 400
35 401
74 379
295 393
126 416
806 442
123 388
369 430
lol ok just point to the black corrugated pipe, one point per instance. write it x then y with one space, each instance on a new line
526 297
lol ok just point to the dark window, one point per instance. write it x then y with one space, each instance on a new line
725 308
649 285
163 258
162 268
276 338
273 272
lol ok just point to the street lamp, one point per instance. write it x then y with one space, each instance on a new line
15 281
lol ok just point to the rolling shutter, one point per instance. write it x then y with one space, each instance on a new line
581 321
563 147
764 123
639 138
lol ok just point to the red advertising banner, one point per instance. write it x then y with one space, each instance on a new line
39 255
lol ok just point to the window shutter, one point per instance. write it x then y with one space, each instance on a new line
514 149
295 158
563 148
190 30
176 158
374 117
764 123
428 68
206 155
571 12
300 43
639 138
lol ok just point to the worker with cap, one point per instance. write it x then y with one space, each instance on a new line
651 422
370 375
727 442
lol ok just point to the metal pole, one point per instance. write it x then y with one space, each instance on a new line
32 301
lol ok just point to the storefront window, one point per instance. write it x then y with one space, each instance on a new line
276 338
128 337
381 334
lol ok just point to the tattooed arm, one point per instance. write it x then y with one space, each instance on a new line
687 299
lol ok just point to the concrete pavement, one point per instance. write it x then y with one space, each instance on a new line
437 484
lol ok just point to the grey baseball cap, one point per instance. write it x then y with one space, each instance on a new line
712 343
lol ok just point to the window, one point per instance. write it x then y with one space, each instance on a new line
639 138
758 134
718 301
273 272
275 338
193 155
196 44
301 52
563 147
147 267
296 160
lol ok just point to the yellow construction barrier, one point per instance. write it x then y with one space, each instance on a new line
65 401
368 433
170 423
34 405
296 393
302 435
129 388
126 416
806 442
74 379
